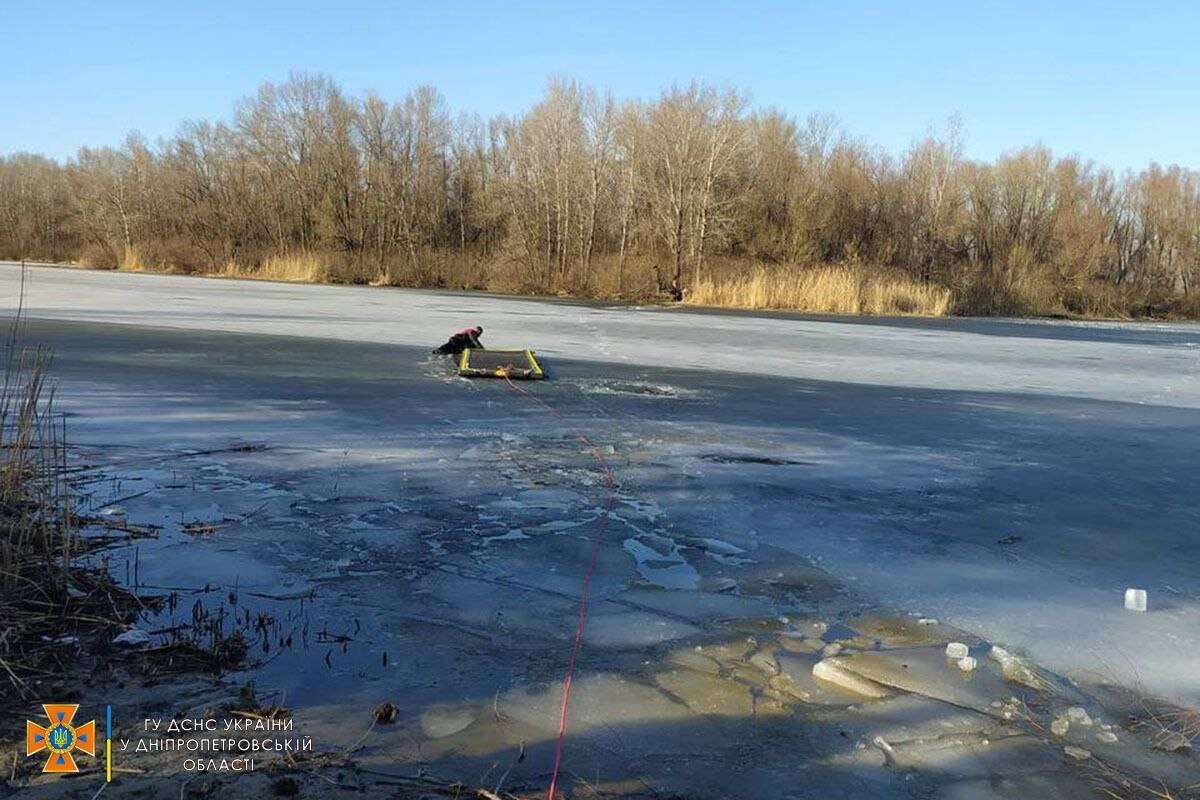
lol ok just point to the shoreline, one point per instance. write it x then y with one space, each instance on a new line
661 306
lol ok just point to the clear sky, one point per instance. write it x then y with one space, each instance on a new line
1115 82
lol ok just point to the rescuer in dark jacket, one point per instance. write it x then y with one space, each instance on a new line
462 340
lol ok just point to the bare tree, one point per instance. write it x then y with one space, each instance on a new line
582 195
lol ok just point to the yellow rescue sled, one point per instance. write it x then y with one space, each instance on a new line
499 364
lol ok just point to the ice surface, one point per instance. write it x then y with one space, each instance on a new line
925 443
668 570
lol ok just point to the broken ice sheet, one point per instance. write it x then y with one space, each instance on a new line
669 572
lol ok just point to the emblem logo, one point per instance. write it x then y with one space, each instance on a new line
60 737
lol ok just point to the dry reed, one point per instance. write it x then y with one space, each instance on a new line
843 289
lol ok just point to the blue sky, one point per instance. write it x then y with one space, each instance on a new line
1115 82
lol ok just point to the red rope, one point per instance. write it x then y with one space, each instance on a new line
611 485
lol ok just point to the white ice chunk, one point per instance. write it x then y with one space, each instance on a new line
1079 716
833 672
134 637
1135 599
957 650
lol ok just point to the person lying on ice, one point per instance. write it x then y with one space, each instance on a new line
467 337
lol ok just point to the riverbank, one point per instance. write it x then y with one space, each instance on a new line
843 290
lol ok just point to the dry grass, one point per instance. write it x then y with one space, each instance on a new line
51 600
1117 784
133 261
1023 288
1164 726
1169 727
34 510
297 267
46 596
1022 291
1187 306
846 289
43 596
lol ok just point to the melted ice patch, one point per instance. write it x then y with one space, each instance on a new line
645 389
647 509
719 547
512 535
557 526
669 571
721 551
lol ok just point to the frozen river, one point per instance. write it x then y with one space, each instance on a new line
1010 478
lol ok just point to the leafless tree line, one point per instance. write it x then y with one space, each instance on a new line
584 195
